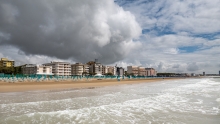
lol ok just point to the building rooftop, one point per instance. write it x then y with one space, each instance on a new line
52 62
5 59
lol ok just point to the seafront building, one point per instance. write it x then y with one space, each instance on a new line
141 71
193 74
79 69
108 69
33 69
111 69
4 62
60 68
95 67
133 70
151 72
104 70
121 71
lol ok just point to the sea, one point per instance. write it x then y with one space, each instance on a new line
182 101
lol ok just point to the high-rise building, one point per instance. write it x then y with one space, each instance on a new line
151 72
112 70
104 69
6 63
141 71
219 73
203 73
79 69
120 71
60 68
95 67
132 70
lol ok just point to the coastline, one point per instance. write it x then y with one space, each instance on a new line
6 87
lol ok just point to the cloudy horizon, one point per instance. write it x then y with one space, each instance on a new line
181 36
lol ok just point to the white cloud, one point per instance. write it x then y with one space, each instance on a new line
171 51
170 25
197 16
174 24
12 53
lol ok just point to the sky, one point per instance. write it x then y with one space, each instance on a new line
181 36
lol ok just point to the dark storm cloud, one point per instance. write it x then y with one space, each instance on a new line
79 29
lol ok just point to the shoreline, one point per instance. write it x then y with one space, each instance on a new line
6 87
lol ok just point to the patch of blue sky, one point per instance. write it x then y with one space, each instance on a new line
157 13
211 36
143 1
124 2
145 31
129 2
189 49
160 31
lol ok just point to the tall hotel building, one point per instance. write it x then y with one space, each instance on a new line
60 68
79 69
104 69
95 67
132 70
141 71
120 71
151 72
111 69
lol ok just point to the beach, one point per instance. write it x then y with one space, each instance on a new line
65 85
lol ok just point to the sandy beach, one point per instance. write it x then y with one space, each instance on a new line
65 85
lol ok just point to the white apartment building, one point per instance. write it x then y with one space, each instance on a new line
132 70
121 71
111 69
151 72
79 69
104 70
33 69
95 68
141 71
60 68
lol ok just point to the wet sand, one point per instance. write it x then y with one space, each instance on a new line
68 85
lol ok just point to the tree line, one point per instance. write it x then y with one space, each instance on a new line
11 70
166 74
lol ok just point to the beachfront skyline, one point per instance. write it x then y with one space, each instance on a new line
170 36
